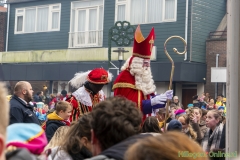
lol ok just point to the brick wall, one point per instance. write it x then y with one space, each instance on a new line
214 47
3 20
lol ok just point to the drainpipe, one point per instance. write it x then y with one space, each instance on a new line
6 48
186 27
216 84
191 32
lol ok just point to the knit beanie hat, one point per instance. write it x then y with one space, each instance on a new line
174 125
179 112
26 135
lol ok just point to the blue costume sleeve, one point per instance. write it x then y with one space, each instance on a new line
147 107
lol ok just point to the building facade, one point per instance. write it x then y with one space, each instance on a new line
51 40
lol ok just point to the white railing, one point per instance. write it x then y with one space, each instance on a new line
85 39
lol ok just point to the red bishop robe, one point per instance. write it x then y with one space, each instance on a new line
124 85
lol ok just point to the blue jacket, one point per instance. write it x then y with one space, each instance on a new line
21 112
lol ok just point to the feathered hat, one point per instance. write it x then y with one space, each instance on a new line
96 76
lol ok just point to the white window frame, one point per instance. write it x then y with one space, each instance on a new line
85 45
128 12
51 10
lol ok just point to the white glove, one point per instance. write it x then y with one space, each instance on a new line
169 94
159 99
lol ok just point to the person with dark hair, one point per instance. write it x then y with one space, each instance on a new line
63 95
38 97
151 125
77 144
174 125
89 92
58 118
115 125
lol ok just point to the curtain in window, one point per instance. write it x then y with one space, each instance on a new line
42 19
92 26
55 20
30 19
169 9
81 27
19 23
121 12
100 26
154 11
138 11
81 20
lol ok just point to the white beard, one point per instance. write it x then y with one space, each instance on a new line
143 75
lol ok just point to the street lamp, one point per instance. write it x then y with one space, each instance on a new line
120 52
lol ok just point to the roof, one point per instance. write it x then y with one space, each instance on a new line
3 9
19 1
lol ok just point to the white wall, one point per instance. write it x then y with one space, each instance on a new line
200 89
161 87
178 91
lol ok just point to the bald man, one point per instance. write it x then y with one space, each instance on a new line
20 110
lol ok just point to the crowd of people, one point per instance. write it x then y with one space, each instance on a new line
134 124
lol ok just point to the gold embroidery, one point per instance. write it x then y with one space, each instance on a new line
123 85
104 77
151 42
139 99
139 55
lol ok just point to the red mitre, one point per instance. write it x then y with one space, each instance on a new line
143 47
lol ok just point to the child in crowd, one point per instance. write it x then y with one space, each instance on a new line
60 117
151 125
213 134
211 105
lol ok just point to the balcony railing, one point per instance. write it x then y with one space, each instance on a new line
85 39
218 35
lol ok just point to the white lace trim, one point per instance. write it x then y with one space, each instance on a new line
83 96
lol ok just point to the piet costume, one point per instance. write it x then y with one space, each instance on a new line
84 99
125 84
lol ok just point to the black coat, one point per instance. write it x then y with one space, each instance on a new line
21 112
51 127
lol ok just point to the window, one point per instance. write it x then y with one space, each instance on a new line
86 24
38 19
146 11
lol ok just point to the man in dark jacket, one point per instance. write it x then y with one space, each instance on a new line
20 109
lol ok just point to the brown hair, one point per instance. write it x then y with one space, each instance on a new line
204 112
217 115
155 148
4 115
72 142
62 105
114 120
199 110
193 134
151 125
